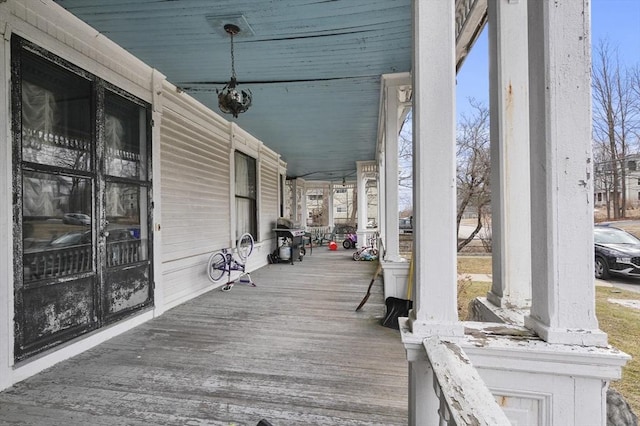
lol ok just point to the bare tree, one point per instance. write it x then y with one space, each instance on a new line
616 121
405 162
473 167
603 174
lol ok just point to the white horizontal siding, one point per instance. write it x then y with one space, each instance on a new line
195 146
53 28
268 195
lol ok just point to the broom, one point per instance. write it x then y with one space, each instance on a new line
397 307
366 296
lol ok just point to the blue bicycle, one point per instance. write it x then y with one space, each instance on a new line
224 262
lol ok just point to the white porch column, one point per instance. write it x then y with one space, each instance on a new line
391 131
434 197
434 170
361 181
363 174
293 213
331 220
510 198
304 214
382 196
563 297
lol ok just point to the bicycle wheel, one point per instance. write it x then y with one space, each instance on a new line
245 246
216 267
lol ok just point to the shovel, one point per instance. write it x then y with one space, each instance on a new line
366 296
397 307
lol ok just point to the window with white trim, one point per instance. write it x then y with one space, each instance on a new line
246 190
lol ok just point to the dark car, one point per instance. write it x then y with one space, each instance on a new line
73 238
76 219
616 251
406 225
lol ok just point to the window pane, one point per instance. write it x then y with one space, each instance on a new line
125 131
56 226
245 217
245 182
245 176
127 238
56 118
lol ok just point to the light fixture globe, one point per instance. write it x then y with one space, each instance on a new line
230 100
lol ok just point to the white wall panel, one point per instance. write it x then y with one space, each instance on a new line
268 194
196 209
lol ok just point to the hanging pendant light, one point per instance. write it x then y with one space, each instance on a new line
230 100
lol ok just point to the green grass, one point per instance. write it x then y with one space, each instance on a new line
467 291
622 324
474 264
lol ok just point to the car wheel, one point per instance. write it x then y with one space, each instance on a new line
601 269
346 244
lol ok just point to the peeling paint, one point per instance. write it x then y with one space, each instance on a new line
61 293
457 351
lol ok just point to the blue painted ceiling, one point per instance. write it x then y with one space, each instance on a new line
313 66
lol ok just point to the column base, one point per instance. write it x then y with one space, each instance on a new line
395 277
484 310
415 331
567 336
507 302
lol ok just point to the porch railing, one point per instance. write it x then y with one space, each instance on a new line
319 234
464 399
58 262
61 262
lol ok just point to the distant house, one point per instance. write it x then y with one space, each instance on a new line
629 181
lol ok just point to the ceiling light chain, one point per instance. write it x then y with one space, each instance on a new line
233 58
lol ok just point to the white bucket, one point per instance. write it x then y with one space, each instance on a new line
285 252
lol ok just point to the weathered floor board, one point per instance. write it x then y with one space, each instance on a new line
292 350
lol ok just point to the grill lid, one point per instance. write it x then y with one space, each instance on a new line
284 223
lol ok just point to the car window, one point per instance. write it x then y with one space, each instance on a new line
72 238
614 236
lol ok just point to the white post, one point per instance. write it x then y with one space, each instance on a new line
382 196
434 197
361 184
423 402
510 198
6 217
434 170
392 242
331 219
293 213
304 214
563 297
158 289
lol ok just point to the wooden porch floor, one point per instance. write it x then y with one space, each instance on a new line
292 350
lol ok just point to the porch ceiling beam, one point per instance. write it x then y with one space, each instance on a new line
471 17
